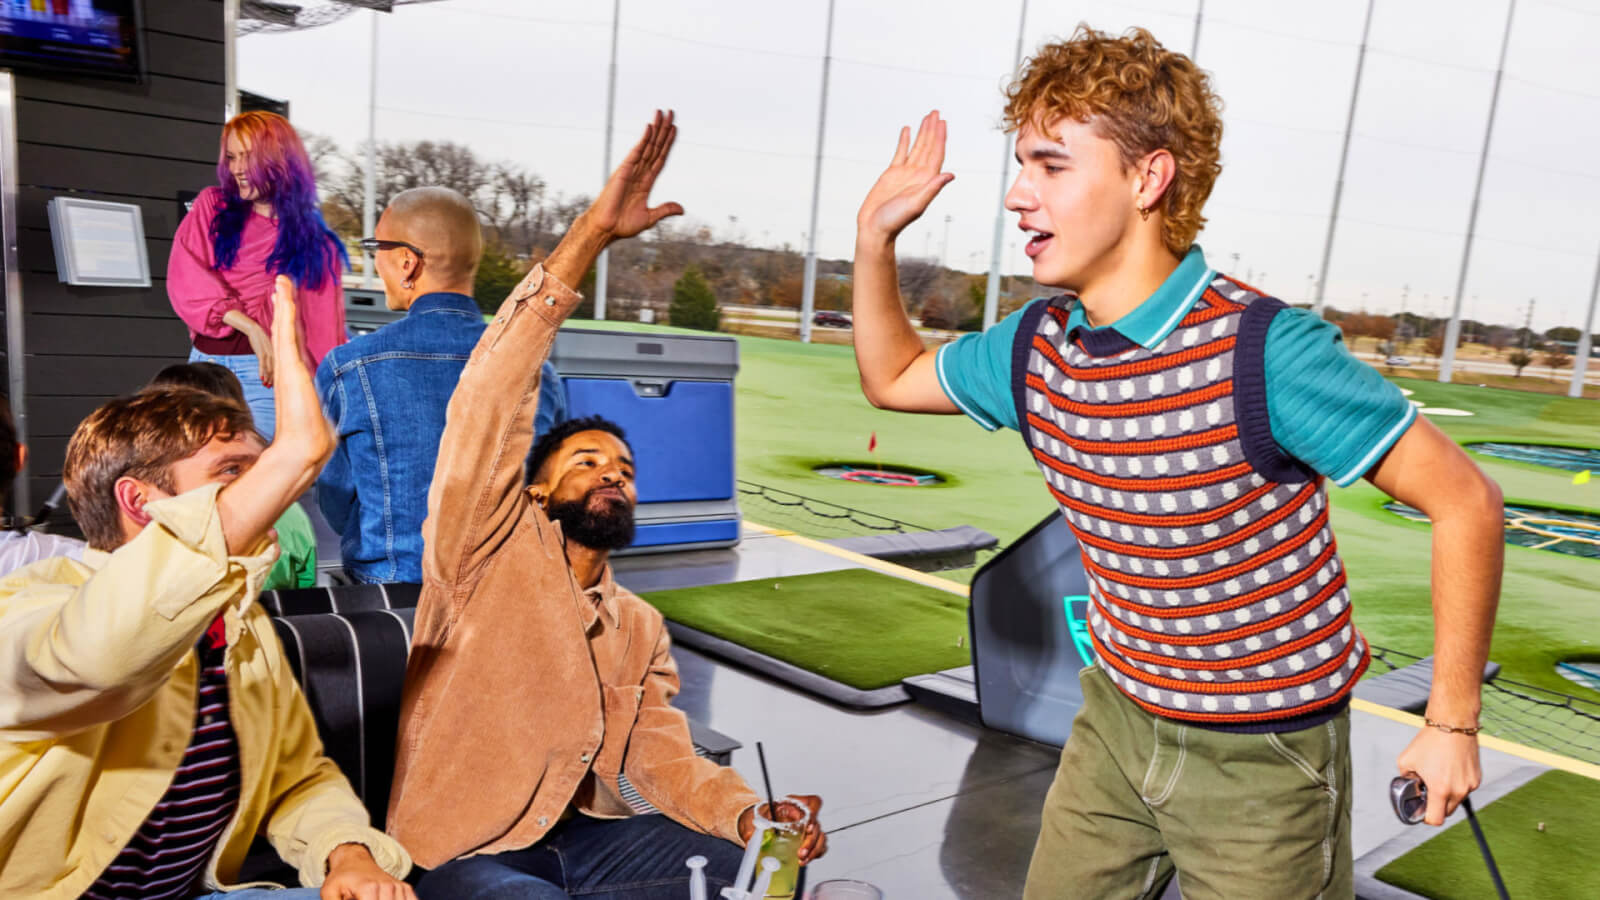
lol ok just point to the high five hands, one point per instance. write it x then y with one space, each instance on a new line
296 406
905 189
623 208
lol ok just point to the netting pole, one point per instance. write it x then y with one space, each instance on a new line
369 181
991 293
808 293
1447 359
1194 45
1580 364
1344 158
602 265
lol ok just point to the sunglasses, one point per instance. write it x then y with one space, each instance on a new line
373 245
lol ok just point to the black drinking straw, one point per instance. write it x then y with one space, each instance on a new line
772 807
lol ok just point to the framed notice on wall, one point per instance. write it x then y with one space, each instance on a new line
99 243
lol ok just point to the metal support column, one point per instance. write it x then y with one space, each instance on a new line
808 295
230 59
602 265
1344 157
1580 363
991 292
1452 334
369 186
16 347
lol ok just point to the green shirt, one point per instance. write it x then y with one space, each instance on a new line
297 552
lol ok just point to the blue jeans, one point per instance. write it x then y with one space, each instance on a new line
264 894
637 858
256 394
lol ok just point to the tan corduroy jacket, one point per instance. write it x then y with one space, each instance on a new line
98 681
521 698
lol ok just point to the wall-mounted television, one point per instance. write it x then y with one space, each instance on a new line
96 38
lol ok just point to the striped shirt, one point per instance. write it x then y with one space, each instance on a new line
167 856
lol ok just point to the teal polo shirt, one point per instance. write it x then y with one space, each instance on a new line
1326 408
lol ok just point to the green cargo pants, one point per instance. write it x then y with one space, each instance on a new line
1237 816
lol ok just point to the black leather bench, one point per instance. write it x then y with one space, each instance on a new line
348 646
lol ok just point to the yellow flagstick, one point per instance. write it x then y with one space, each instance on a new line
1581 477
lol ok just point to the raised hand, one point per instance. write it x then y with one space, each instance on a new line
298 409
304 439
905 189
623 208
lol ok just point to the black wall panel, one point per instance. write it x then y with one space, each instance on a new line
126 143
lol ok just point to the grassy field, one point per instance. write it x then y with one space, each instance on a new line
1544 836
1532 381
800 405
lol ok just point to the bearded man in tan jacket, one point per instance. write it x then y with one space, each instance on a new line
535 681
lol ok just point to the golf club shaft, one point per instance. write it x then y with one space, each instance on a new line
1483 845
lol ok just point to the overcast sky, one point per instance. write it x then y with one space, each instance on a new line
525 80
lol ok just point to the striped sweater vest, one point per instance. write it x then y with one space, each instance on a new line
1218 596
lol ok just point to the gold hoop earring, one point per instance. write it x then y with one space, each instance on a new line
1144 214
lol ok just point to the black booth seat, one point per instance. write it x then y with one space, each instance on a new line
341 598
351 666
348 646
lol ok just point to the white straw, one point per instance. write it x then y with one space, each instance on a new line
769 865
747 865
697 877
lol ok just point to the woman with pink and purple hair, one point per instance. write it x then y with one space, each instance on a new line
261 221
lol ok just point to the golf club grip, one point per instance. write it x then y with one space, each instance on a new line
1483 845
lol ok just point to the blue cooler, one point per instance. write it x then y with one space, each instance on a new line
673 395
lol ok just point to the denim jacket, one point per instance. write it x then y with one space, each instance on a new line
386 394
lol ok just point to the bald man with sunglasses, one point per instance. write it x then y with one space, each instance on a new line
386 392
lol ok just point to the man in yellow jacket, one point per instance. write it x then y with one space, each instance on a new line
150 726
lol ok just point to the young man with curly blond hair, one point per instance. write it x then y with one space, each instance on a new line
1185 423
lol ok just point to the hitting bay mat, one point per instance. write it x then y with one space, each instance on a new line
1561 860
861 628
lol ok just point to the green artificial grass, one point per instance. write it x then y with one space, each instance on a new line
1561 860
863 628
801 404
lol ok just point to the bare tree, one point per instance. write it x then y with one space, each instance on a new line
325 157
918 280
1499 338
1555 359
513 197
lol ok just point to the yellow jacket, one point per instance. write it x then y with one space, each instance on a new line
98 682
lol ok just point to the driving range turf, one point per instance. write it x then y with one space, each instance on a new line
863 628
1544 837
799 405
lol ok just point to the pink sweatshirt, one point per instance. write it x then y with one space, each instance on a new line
202 295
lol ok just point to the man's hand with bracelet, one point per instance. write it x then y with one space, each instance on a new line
1444 754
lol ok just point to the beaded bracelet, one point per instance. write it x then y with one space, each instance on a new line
1451 729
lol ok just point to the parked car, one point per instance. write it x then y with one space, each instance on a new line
831 319
1397 361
